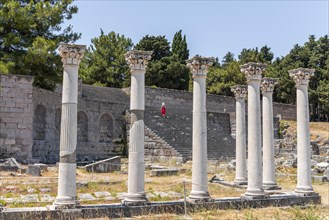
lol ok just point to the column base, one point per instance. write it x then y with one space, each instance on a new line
198 197
305 191
135 199
254 194
240 181
271 186
65 202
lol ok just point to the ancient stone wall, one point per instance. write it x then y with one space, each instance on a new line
16 115
224 104
101 131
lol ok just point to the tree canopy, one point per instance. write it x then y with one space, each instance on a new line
167 69
104 61
158 44
29 35
313 54
220 79
168 72
179 47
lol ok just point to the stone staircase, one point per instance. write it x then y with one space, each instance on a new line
172 136
176 130
156 148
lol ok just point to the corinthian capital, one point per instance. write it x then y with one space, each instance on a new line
138 59
71 53
253 71
240 91
199 65
267 84
301 76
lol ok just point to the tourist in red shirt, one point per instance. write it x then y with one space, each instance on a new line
163 110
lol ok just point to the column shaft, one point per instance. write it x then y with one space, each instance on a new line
199 67
241 160
304 181
137 61
66 196
268 143
136 171
254 141
199 145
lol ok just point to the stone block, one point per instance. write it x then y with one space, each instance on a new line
43 190
9 142
33 170
164 172
9 164
43 167
30 198
46 198
11 125
10 104
105 166
102 194
82 183
86 196
319 179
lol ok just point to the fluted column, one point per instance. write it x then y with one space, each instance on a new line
301 77
253 72
267 87
199 68
240 93
71 56
137 61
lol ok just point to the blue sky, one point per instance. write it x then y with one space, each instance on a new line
212 28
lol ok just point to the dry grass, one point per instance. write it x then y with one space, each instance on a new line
116 183
272 213
318 129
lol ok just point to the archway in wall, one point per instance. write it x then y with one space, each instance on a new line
39 123
82 127
105 128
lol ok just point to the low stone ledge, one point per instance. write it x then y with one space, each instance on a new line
177 207
164 172
105 166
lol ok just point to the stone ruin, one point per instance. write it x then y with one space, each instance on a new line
73 130
30 122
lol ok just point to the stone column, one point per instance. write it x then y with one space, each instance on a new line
240 93
71 56
199 67
137 61
301 77
267 87
253 72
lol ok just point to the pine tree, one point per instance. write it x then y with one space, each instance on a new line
29 35
158 44
179 47
104 61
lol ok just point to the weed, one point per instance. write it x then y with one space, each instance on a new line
9 195
250 216
2 202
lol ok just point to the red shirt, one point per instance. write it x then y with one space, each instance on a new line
163 110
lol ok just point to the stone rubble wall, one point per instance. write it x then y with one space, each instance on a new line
16 113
